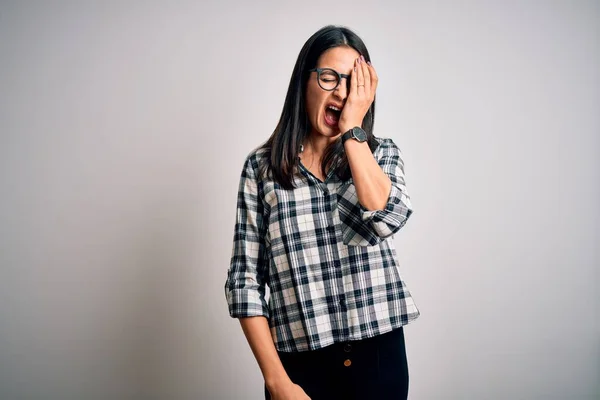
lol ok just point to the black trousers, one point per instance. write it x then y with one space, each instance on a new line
373 368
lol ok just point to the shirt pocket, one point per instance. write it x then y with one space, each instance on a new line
355 230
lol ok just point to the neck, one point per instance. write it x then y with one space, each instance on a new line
317 144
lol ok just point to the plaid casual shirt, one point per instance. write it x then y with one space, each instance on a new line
330 264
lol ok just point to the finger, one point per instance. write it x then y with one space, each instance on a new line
374 78
366 75
354 78
360 78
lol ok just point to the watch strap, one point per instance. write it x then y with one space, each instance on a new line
347 135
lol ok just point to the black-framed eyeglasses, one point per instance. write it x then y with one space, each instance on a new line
329 79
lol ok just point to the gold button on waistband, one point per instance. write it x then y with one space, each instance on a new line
348 363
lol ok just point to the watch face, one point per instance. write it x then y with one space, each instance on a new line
359 134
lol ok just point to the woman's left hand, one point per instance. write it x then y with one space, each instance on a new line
363 83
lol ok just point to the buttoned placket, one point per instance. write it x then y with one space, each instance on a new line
340 277
333 247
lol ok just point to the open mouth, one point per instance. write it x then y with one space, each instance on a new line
332 115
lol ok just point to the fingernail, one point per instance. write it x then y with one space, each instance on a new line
369 62
362 57
358 60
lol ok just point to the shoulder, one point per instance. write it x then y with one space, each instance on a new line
254 161
256 157
386 147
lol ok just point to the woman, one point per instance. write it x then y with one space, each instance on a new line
317 206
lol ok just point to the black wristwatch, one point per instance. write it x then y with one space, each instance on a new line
356 133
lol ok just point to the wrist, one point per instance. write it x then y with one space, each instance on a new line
345 127
354 134
277 382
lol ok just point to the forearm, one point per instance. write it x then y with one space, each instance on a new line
372 184
259 338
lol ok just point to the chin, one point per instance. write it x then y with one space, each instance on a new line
329 131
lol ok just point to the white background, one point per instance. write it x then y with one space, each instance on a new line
124 127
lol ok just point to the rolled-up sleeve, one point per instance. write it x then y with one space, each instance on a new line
398 208
362 227
247 274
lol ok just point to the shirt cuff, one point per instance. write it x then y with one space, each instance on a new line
247 303
394 215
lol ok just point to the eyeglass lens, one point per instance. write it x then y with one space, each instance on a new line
329 80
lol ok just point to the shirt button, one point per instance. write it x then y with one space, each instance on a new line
347 347
331 228
347 363
326 192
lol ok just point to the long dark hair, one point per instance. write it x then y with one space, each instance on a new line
283 146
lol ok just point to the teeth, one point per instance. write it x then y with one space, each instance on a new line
334 108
